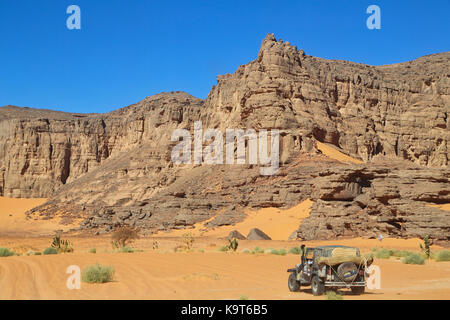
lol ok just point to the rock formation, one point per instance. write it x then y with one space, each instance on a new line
115 168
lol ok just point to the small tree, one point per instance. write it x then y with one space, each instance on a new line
123 236
233 244
62 246
426 246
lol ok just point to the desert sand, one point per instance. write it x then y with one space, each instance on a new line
333 153
203 273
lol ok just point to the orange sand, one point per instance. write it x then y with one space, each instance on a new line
277 224
13 219
445 207
334 153
203 273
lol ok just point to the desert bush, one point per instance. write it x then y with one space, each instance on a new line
5 252
92 250
257 250
97 274
245 250
426 247
50 250
233 244
383 254
188 240
295 250
123 236
126 249
443 255
223 249
332 295
280 252
401 253
374 249
62 246
37 253
413 258
201 250
243 297
178 248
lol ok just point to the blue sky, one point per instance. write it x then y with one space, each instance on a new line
129 49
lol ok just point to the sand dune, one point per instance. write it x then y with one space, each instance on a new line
13 220
334 153
278 224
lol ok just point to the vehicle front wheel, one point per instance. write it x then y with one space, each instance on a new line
293 284
317 286
358 290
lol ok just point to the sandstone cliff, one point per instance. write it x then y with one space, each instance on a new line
115 168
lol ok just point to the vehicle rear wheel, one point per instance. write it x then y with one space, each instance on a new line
317 286
358 290
293 284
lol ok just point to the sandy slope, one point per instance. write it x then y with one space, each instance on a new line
333 153
278 224
204 273
13 220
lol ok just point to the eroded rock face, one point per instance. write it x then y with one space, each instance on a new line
115 169
396 111
41 150
369 201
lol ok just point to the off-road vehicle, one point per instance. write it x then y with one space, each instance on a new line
330 267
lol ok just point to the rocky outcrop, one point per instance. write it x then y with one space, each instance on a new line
236 235
114 169
369 201
42 150
256 234
397 111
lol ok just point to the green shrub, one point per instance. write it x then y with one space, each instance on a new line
223 249
92 250
233 244
50 251
426 247
5 252
374 249
383 254
126 249
443 255
37 253
97 274
401 253
332 295
280 252
62 246
243 297
258 250
245 250
414 258
295 250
